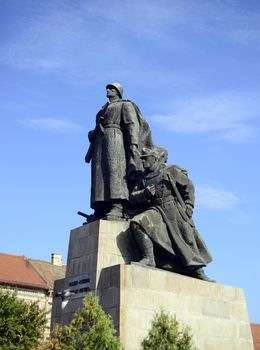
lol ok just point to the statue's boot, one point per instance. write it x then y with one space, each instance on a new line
200 274
145 246
101 208
116 212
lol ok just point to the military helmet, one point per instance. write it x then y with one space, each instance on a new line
157 152
147 152
118 87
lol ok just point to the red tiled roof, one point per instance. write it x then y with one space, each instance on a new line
48 271
255 328
17 271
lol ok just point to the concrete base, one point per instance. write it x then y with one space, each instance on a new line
92 247
131 294
216 314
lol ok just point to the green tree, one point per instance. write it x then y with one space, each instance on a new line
165 334
21 325
90 329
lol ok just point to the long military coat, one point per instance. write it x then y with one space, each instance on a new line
164 217
117 128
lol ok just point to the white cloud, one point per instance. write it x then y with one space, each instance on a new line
72 36
238 134
67 37
153 18
228 115
215 197
50 124
245 35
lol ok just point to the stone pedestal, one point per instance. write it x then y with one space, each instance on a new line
98 259
216 314
92 247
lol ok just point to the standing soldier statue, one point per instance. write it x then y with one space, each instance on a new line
120 133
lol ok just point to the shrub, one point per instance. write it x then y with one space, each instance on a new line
165 334
90 329
21 325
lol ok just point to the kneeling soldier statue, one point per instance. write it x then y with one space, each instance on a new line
163 229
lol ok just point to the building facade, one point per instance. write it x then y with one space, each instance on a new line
31 279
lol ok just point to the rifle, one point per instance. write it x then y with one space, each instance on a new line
86 216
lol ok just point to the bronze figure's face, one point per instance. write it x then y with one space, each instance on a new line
111 91
149 163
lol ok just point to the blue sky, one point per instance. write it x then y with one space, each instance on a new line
193 68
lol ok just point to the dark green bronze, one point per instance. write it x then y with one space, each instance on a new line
120 133
164 229
130 180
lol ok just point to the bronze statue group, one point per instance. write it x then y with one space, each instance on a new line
131 181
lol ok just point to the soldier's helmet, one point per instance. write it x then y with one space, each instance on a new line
158 152
118 87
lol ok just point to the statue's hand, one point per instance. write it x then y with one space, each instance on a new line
131 170
91 135
149 191
158 192
134 151
189 210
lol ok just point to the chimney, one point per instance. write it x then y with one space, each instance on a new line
56 259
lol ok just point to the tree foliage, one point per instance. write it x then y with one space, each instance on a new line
165 334
90 329
21 325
